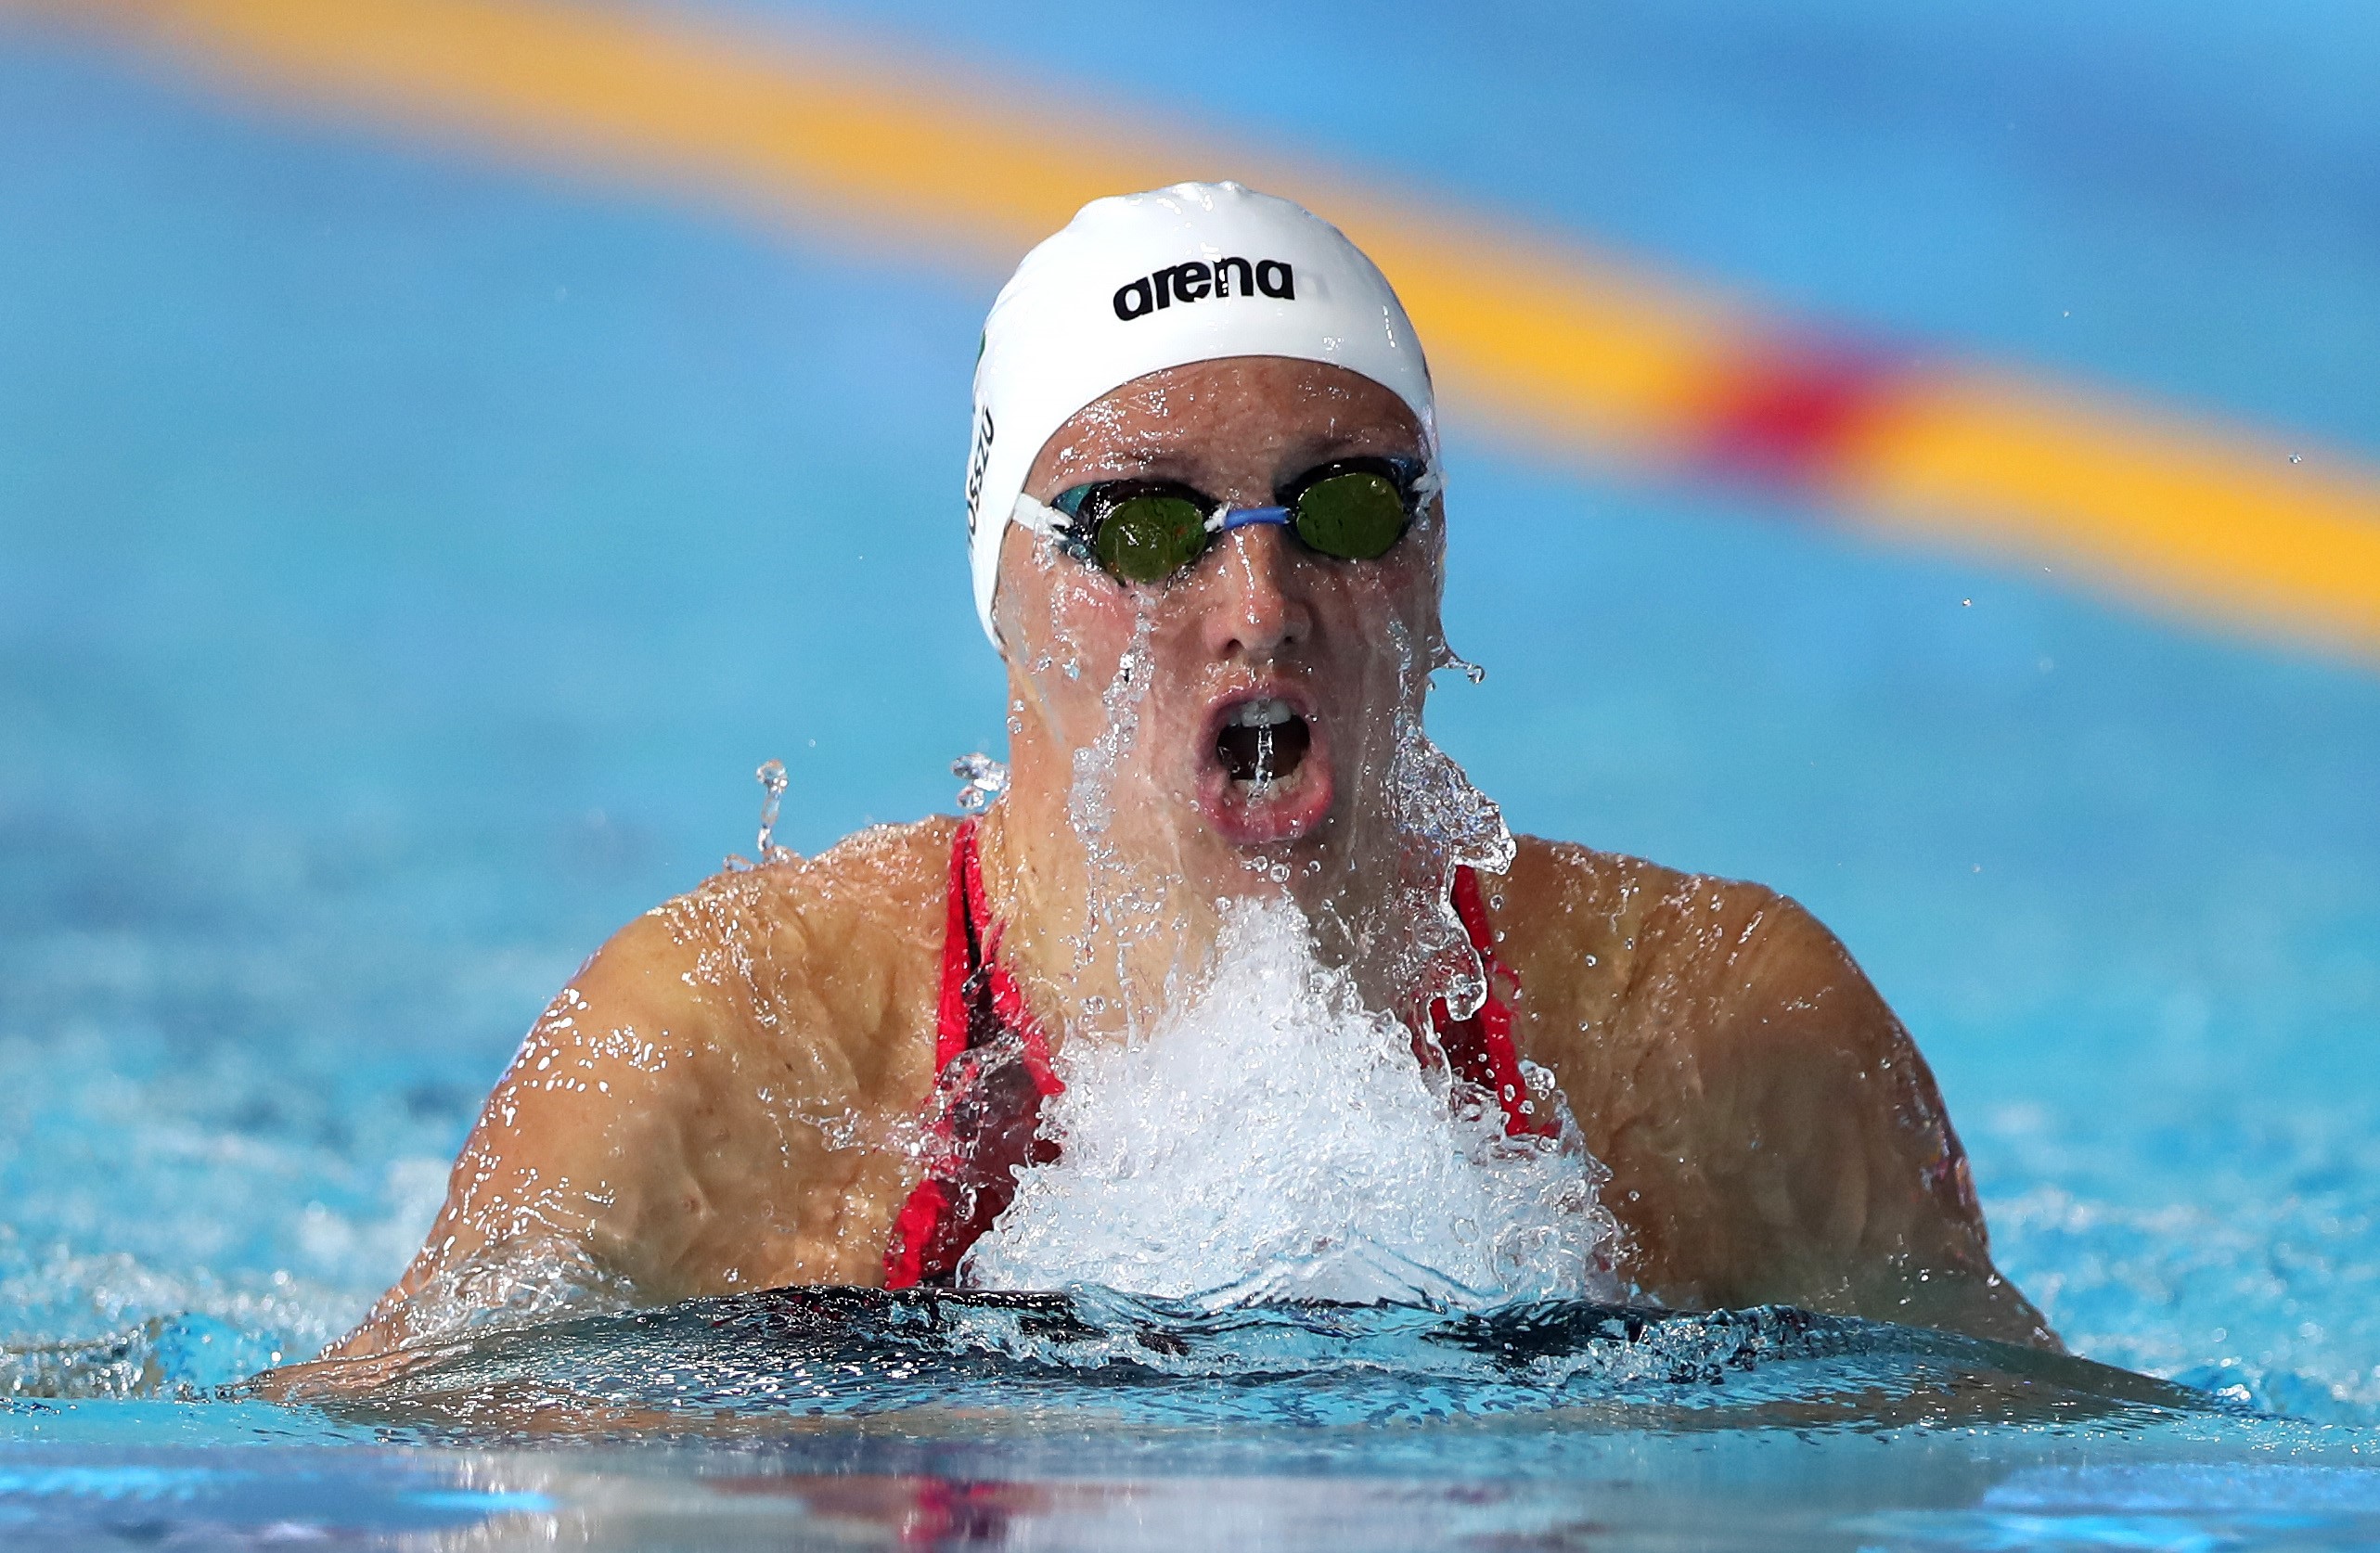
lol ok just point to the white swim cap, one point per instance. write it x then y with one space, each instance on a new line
1139 282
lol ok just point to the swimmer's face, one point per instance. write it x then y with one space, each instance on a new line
1262 653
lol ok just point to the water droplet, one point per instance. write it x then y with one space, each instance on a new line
1447 658
772 779
985 780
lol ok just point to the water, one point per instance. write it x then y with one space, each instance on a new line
380 629
1275 1139
773 782
1097 1421
982 779
1026 1362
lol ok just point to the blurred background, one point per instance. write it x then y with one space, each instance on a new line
445 446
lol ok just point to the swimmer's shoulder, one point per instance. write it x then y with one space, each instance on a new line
837 951
1570 901
886 880
1626 948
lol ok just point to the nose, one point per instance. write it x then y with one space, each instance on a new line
1260 607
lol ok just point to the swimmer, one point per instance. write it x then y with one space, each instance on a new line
1208 540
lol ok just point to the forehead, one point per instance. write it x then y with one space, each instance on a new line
1238 408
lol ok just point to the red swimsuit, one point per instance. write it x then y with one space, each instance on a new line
992 1067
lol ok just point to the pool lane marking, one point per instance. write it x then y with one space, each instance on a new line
1532 338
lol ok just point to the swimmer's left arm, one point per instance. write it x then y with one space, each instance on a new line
1825 1143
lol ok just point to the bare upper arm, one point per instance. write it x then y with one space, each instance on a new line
1783 1139
666 1128
557 1178
1829 1135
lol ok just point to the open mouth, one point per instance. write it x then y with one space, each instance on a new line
1266 775
1263 741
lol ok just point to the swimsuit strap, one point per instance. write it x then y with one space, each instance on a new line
1480 1049
984 1119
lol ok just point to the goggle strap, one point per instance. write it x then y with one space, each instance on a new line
1040 516
1241 517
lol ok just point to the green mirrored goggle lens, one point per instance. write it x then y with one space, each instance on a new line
1356 515
1147 539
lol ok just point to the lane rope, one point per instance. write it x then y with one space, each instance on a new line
1535 341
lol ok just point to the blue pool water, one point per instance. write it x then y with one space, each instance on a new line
405 561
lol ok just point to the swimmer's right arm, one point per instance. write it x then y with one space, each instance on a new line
574 1171
675 1122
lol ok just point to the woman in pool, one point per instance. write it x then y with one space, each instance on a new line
1209 544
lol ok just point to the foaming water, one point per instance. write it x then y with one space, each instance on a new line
1260 1122
1274 1138
1129 905
1444 823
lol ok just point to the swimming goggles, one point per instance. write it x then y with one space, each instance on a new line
1150 531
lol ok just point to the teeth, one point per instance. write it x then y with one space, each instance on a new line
1268 713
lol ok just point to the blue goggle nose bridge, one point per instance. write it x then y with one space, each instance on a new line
1241 517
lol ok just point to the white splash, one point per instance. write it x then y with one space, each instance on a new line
1274 1139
